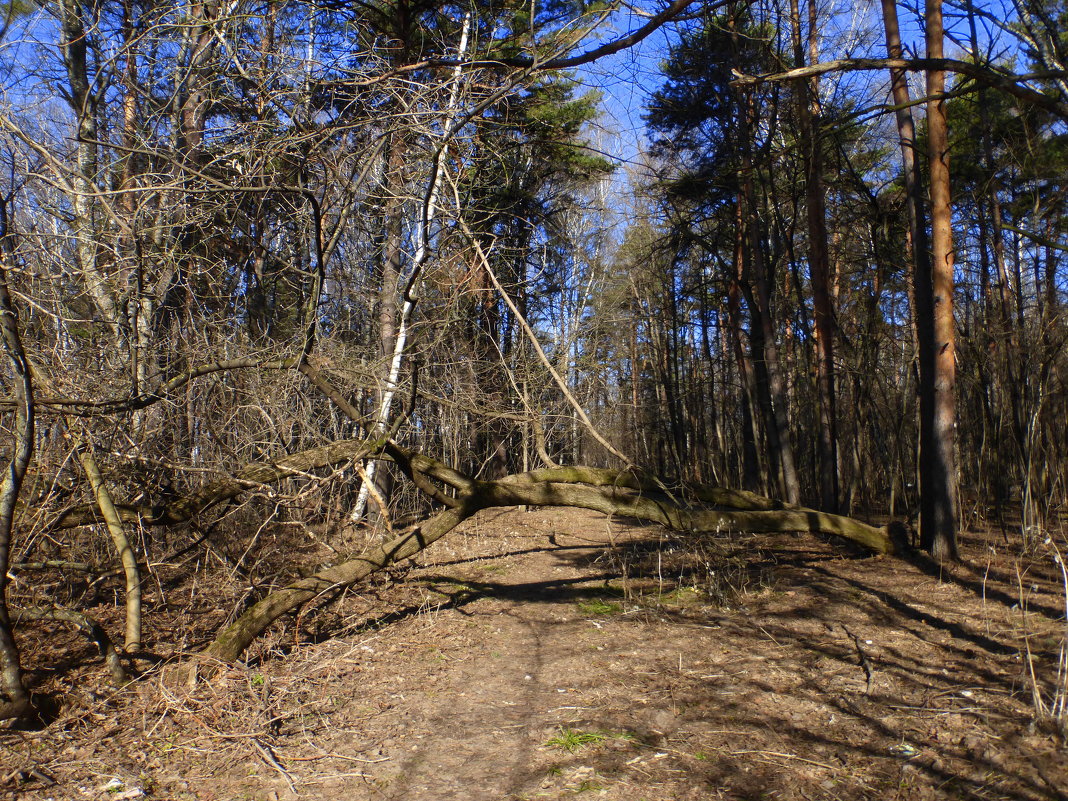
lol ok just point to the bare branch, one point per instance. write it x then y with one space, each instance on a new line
1005 81
224 489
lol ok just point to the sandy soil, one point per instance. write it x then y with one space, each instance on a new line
553 653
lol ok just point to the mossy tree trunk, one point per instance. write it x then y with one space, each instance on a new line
612 492
609 491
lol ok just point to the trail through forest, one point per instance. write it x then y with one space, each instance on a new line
555 654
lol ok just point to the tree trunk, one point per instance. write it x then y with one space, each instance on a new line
819 263
937 476
938 480
395 328
750 474
906 127
15 702
73 46
113 522
613 492
762 333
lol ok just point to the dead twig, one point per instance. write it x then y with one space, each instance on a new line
268 756
862 659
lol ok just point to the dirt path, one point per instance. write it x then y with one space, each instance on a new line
551 654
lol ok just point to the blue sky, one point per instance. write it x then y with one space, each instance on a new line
851 29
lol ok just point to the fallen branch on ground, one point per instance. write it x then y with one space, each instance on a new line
608 491
613 492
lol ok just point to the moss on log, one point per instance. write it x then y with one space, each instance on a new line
607 491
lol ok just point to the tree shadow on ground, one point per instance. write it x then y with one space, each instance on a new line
921 694
965 576
890 696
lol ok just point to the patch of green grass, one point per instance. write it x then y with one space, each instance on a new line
682 596
462 586
571 740
453 588
599 606
587 785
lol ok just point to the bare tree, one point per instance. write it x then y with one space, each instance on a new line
16 701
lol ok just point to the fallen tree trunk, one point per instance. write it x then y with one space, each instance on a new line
614 501
232 642
607 491
612 492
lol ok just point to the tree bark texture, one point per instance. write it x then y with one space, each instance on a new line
938 480
15 702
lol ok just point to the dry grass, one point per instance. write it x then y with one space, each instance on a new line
676 569
1047 677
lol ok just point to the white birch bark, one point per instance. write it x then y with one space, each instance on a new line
411 294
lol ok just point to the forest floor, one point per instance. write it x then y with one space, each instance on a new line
553 654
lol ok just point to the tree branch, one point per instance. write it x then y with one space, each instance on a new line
223 489
612 492
78 407
671 12
1005 81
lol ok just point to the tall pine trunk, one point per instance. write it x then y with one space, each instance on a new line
938 480
932 311
808 108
